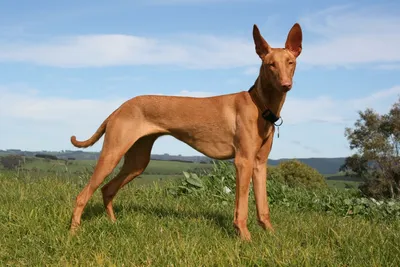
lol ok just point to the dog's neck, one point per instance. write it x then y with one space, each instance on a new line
266 97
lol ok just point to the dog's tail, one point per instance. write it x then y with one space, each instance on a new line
92 140
95 137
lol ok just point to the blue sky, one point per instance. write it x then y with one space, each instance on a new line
65 65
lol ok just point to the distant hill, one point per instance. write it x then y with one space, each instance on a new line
323 165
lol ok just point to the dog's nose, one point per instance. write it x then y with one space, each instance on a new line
286 85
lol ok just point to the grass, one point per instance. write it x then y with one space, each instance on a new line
157 229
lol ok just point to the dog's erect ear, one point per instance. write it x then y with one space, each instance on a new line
262 47
294 40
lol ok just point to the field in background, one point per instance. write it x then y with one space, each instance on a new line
157 170
340 180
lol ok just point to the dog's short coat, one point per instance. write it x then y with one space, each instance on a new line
220 127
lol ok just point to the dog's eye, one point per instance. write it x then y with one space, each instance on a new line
272 64
291 62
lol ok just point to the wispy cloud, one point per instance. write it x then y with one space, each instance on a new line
190 93
336 111
313 150
339 36
350 35
28 104
55 119
394 66
251 71
190 51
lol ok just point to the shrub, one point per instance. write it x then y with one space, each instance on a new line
46 156
219 184
297 174
11 162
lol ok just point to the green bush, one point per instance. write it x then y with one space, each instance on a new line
333 201
219 182
297 174
309 194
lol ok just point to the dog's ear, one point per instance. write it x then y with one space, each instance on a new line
262 47
294 40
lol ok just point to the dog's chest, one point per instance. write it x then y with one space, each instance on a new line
268 130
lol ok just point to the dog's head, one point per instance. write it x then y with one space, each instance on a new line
279 64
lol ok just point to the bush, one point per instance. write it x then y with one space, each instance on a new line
332 201
297 174
219 184
46 156
11 162
221 179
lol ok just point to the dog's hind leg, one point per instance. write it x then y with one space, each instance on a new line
104 167
135 162
117 141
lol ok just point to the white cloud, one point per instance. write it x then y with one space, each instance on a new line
328 110
37 122
252 71
194 93
340 36
32 106
204 52
348 35
27 104
374 99
394 66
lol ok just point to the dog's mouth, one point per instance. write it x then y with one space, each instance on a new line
286 89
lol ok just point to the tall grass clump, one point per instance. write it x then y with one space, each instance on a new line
304 193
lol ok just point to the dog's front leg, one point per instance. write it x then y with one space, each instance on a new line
260 194
244 169
260 184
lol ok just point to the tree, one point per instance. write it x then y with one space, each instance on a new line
376 141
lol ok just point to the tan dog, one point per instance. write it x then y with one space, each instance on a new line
239 126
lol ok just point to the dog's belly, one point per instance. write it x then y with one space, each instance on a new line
215 148
216 151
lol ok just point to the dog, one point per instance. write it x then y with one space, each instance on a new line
238 126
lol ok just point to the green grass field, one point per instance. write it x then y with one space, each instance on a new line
157 229
154 167
157 170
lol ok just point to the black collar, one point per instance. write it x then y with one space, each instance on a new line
267 114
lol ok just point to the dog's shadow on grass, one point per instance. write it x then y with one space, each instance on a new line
219 219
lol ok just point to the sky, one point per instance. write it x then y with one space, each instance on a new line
65 65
